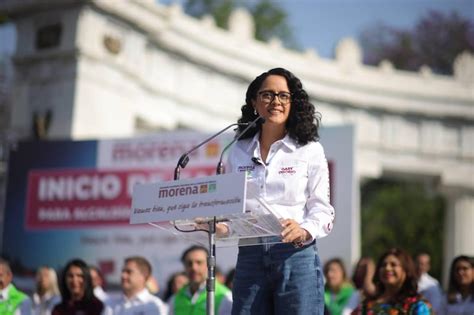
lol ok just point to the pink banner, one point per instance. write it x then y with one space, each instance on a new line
71 198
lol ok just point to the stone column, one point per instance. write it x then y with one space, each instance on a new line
459 228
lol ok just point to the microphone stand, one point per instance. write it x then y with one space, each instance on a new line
211 258
220 166
184 159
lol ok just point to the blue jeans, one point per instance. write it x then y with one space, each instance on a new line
278 279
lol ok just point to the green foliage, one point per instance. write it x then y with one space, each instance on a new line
219 9
269 18
400 214
3 19
270 21
436 40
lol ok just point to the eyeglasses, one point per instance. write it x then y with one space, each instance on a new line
269 96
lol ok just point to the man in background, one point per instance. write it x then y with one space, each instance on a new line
136 299
427 285
192 298
12 301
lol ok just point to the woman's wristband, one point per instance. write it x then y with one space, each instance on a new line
300 243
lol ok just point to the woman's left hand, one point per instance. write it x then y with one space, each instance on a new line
293 232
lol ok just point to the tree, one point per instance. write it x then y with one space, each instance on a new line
270 21
3 18
436 40
404 215
269 18
219 10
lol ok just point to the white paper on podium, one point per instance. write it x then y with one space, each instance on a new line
255 225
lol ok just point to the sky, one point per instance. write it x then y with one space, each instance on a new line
321 24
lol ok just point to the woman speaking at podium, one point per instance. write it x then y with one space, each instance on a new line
287 168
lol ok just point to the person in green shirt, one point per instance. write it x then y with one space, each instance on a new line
12 301
337 290
191 299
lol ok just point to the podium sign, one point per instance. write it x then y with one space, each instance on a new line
210 196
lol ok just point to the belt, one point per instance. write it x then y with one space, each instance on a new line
259 240
270 240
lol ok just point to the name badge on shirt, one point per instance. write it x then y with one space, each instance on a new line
287 170
246 168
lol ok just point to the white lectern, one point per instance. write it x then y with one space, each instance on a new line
197 205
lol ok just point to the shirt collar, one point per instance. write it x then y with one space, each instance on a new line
38 299
289 142
286 141
141 296
4 292
201 288
253 144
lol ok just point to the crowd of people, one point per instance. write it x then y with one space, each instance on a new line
395 284
398 284
79 290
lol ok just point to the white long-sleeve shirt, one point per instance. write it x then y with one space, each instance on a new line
44 305
144 303
429 287
294 180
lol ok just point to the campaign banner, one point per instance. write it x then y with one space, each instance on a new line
161 151
78 198
69 199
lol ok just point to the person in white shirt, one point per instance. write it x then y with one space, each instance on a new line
47 291
427 285
136 299
12 301
98 283
286 168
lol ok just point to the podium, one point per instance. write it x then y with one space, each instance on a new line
192 208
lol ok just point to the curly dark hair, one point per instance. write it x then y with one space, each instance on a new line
410 285
453 286
303 121
88 290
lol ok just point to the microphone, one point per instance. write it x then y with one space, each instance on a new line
220 165
184 159
257 161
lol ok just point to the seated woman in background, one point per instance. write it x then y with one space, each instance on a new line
395 280
175 282
46 295
460 295
362 280
337 290
76 291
